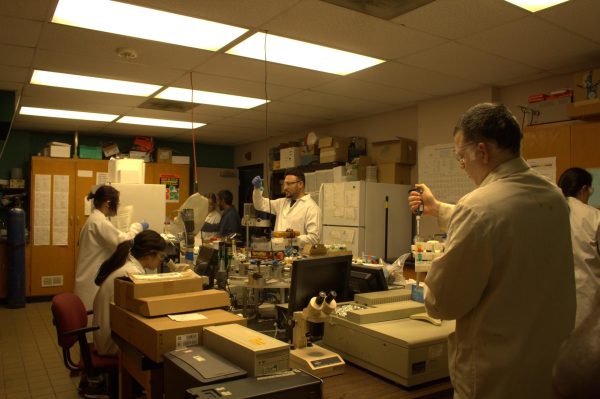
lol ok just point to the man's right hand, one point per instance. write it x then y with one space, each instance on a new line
430 203
257 182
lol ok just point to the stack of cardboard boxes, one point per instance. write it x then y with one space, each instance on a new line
394 159
333 149
142 303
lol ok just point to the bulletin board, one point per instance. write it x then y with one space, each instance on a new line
440 171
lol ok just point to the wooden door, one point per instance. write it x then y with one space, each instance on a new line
155 170
85 179
52 266
552 140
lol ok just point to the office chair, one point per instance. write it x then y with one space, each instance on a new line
70 319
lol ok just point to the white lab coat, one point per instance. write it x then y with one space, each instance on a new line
304 216
585 235
213 217
105 296
98 240
506 277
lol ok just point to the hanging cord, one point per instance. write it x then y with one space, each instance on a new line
10 126
267 175
194 137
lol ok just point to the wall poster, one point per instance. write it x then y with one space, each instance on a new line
171 183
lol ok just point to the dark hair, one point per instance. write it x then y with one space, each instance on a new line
493 122
105 193
226 196
573 179
147 242
297 173
211 197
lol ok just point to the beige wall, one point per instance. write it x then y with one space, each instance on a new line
429 122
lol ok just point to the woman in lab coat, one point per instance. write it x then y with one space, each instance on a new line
145 250
576 185
213 217
98 239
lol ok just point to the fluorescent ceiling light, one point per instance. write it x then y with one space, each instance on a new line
207 97
61 113
536 5
145 23
81 82
134 120
302 54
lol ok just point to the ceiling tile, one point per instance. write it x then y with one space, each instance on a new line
89 43
79 97
467 63
67 103
10 86
414 79
349 30
37 10
19 32
580 17
16 55
13 74
540 44
347 106
27 122
455 19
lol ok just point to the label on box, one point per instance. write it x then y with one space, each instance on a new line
185 340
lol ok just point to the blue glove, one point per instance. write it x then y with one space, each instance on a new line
145 225
257 182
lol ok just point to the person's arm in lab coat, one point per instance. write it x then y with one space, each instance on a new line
108 234
457 280
264 204
312 226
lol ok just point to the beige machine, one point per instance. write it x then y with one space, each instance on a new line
253 351
385 339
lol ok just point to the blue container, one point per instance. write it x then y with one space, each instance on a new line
16 241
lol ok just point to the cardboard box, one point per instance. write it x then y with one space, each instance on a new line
163 155
180 159
58 150
583 79
145 156
402 151
333 154
289 157
335 142
110 149
276 165
584 109
157 335
394 173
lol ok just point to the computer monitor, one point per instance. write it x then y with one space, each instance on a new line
367 278
318 273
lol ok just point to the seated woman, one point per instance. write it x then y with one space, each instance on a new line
145 250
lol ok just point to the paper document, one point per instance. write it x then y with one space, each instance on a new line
187 317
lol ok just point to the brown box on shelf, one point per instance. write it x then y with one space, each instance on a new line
16 183
157 335
163 155
584 109
394 173
335 142
289 157
110 150
402 151
333 154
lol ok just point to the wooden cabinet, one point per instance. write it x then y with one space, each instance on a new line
572 143
49 264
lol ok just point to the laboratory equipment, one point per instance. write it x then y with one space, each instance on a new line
251 220
187 217
367 278
353 214
292 384
383 338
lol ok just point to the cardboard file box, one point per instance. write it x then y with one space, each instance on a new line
402 151
394 173
157 335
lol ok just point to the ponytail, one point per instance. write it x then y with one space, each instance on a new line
116 260
148 242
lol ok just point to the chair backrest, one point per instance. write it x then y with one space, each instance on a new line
69 314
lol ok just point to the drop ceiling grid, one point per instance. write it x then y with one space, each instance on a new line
580 17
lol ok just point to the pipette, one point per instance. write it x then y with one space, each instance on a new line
418 213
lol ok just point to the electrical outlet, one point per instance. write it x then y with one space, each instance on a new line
52 281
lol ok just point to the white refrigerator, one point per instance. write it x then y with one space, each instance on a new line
141 202
354 213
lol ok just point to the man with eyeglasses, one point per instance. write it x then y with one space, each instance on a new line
506 276
297 211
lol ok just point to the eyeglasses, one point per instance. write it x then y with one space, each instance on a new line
289 183
461 158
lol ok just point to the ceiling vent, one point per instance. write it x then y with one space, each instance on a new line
384 9
167 105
